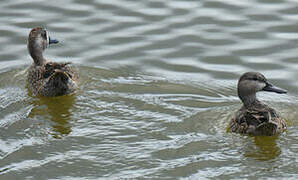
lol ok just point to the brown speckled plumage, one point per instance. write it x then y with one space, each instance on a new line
47 78
254 117
259 120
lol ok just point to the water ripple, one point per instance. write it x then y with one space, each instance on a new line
157 89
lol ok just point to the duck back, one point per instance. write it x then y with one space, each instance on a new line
52 79
257 120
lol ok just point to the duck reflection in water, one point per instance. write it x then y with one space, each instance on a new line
59 111
264 148
254 117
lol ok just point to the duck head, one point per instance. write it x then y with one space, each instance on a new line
38 41
252 82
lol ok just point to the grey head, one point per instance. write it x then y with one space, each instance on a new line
38 41
252 82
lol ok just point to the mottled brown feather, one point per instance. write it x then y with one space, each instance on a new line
47 78
259 120
39 77
254 117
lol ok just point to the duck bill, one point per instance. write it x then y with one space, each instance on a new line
53 41
271 88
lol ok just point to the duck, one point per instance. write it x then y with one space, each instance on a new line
254 117
47 78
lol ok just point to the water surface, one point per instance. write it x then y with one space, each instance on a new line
157 89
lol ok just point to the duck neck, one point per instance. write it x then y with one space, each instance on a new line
36 54
249 100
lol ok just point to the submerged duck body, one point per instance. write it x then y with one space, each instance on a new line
46 78
254 117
